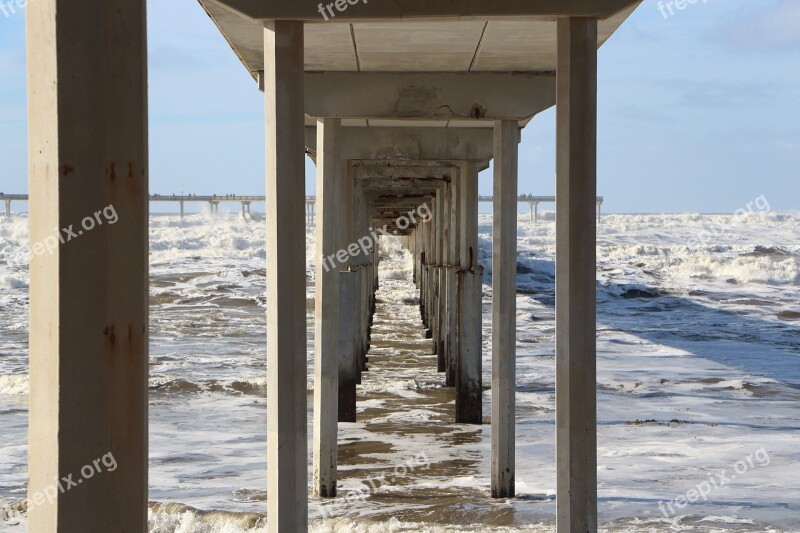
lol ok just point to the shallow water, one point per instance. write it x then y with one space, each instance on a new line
697 369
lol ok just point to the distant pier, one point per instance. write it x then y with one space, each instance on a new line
213 201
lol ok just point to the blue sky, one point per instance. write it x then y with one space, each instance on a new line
698 112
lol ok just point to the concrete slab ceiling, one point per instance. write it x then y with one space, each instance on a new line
525 43
418 36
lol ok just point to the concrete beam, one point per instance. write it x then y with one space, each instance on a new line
478 96
312 10
287 438
432 144
396 204
433 174
87 75
401 184
576 323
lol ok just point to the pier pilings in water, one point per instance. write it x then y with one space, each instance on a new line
399 135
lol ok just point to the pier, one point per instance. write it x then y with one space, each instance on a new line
8 198
399 104
213 202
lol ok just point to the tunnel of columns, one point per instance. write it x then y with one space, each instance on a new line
401 105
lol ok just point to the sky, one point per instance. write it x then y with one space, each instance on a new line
699 110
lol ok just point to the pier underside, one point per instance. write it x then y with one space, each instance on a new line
401 105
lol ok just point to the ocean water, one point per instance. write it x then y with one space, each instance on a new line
698 377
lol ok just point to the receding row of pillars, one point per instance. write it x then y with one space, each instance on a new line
89 317
311 214
446 272
449 279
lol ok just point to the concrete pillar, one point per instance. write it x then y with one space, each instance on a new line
430 256
469 364
453 244
442 294
468 215
326 334
504 306
182 209
576 193
287 439
348 292
421 231
362 262
87 74
376 270
425 261
411 244
438 261
8 208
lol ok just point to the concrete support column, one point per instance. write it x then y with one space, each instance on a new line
438 261
326 332
453 244
363 261
504 307
8 208
348 292
576 193
182 209
376 259
425 261
87 66
287 439
420 261
469 364
444 262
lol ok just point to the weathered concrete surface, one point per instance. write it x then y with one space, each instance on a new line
348 296
576 405
326 323
504 307
453 258
481 44
287 439
430 144
87 74
433 96
469 366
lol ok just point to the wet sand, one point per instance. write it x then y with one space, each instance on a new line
405 459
